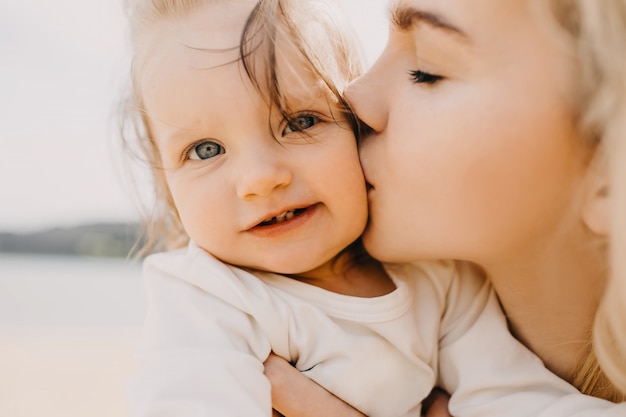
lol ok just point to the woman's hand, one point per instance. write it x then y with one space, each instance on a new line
295 395
436 404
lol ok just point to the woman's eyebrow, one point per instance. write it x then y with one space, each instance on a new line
404 18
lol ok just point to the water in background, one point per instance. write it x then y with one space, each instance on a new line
40 290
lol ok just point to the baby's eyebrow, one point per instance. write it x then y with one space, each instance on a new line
404 18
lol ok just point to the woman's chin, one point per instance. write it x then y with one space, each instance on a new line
377 246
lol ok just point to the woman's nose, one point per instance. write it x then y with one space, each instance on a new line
367 96
261 175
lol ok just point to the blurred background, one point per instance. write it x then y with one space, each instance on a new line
71 304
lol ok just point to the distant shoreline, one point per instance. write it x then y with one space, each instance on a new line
97 239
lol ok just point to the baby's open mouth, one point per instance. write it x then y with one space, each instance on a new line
283 217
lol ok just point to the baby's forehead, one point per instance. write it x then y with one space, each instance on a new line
277 65
297 78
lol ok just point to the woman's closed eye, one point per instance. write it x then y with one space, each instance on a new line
301 123
421 77
204 150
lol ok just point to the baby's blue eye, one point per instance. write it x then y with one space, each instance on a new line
300 123
205 150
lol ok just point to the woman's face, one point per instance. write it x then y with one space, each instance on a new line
474 153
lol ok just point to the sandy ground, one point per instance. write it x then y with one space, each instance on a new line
65 371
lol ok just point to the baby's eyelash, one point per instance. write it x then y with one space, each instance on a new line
421 77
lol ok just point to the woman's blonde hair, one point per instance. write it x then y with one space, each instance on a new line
313 27
596 32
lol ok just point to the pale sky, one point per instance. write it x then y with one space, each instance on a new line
63 71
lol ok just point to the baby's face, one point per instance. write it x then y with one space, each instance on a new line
251 188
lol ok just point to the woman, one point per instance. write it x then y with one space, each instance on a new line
607 30
492 122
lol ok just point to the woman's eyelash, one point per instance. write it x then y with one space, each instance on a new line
421 77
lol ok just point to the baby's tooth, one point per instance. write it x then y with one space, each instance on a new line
283 217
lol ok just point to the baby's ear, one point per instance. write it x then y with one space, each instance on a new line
596 206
